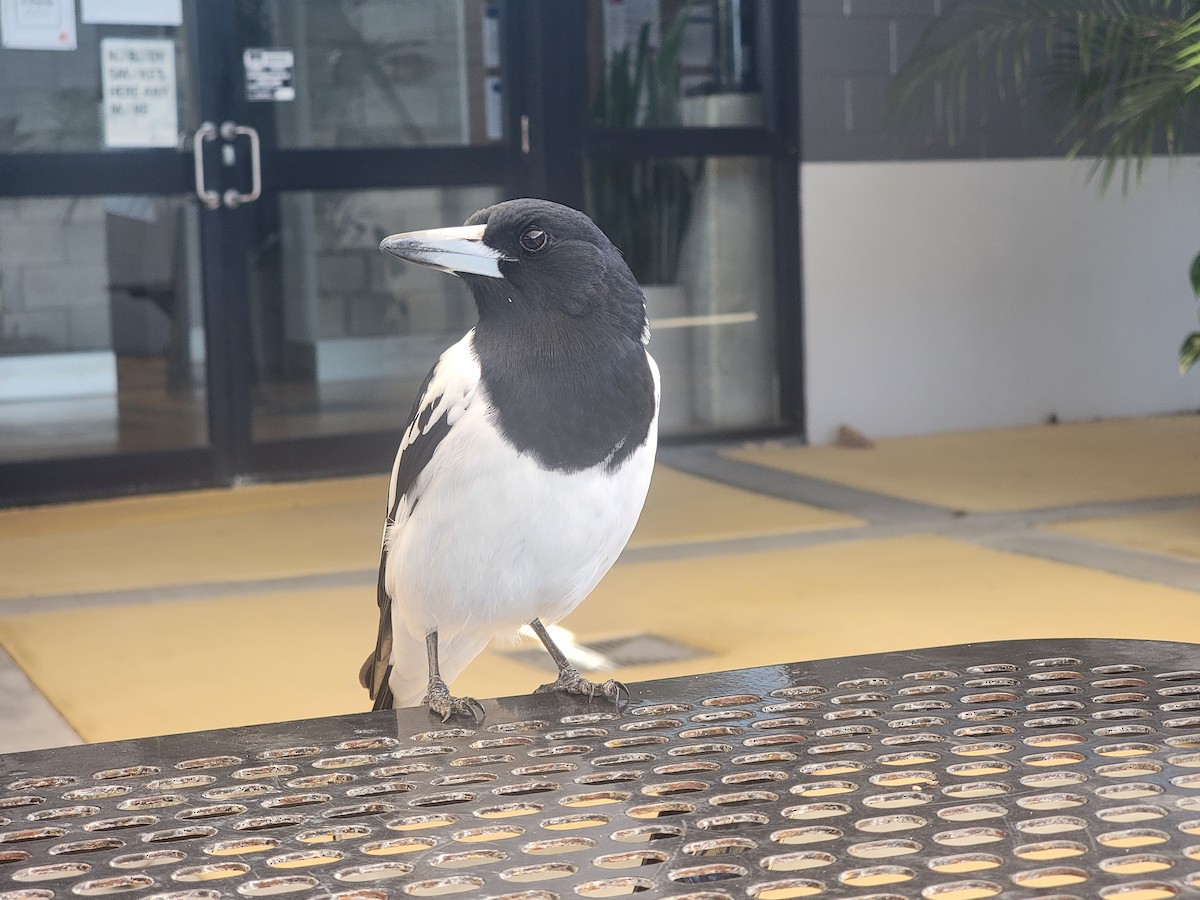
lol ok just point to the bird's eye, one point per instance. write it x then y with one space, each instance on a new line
534 240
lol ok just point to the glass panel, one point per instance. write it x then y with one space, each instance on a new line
345 335
698 236
51 101
101 329
673 62
382 72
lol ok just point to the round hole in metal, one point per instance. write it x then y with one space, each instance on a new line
962 890
707 873
630 860
674 787
961 863
466 858
1133 837
417 823
1050 876
646 833
570 823
238 847
897 800
51 872
379 871
1047 850
283 884
817 811
116 884
1140 890
508 810
877 876
1136 864
302 858
797 861
540 872
613 887
334 833
885 824
811 835
1131 813
91 846
434 887
824 788
558 846
884 849
786 889
595 798
487 833
398 845
719 846
210 871
1129 790
969 837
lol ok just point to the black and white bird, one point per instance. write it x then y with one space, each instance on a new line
526 458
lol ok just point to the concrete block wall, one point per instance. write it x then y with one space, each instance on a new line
849 51
53 275
361 293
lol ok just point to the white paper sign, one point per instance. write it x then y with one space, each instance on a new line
37 24
137 77
132 12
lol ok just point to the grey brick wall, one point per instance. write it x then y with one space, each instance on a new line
849 51
53 275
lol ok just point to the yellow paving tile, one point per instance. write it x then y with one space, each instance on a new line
1176 533
199 537
1013 468
683 508
123 671
282 530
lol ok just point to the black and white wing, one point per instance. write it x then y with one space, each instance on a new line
447 393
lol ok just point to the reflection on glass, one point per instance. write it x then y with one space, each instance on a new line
344 334
382 72
51 100
101 330
711 311
655 63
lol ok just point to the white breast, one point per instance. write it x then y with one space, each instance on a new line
496 540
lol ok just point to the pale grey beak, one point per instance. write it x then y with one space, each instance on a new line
458 251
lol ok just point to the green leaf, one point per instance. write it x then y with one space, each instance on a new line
1189 353
1194 274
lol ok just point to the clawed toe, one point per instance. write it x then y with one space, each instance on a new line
571 682
441 703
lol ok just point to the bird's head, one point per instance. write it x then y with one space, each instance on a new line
534 259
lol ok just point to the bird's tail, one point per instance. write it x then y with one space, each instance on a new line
408 675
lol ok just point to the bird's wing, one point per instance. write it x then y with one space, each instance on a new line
445 395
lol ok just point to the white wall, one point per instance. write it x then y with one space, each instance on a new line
956 295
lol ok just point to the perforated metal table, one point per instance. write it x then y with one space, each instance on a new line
1049 769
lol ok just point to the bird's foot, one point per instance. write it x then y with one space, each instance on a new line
441 703
571 682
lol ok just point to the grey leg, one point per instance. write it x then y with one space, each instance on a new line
438 698
569 680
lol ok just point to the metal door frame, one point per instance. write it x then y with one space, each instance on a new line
548 137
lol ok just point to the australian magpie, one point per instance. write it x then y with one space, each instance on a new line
527 455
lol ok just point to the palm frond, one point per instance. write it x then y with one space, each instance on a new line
1120 72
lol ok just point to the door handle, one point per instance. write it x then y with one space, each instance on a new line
233 197
206 132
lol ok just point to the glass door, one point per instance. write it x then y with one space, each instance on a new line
192 194
372 117
103 354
